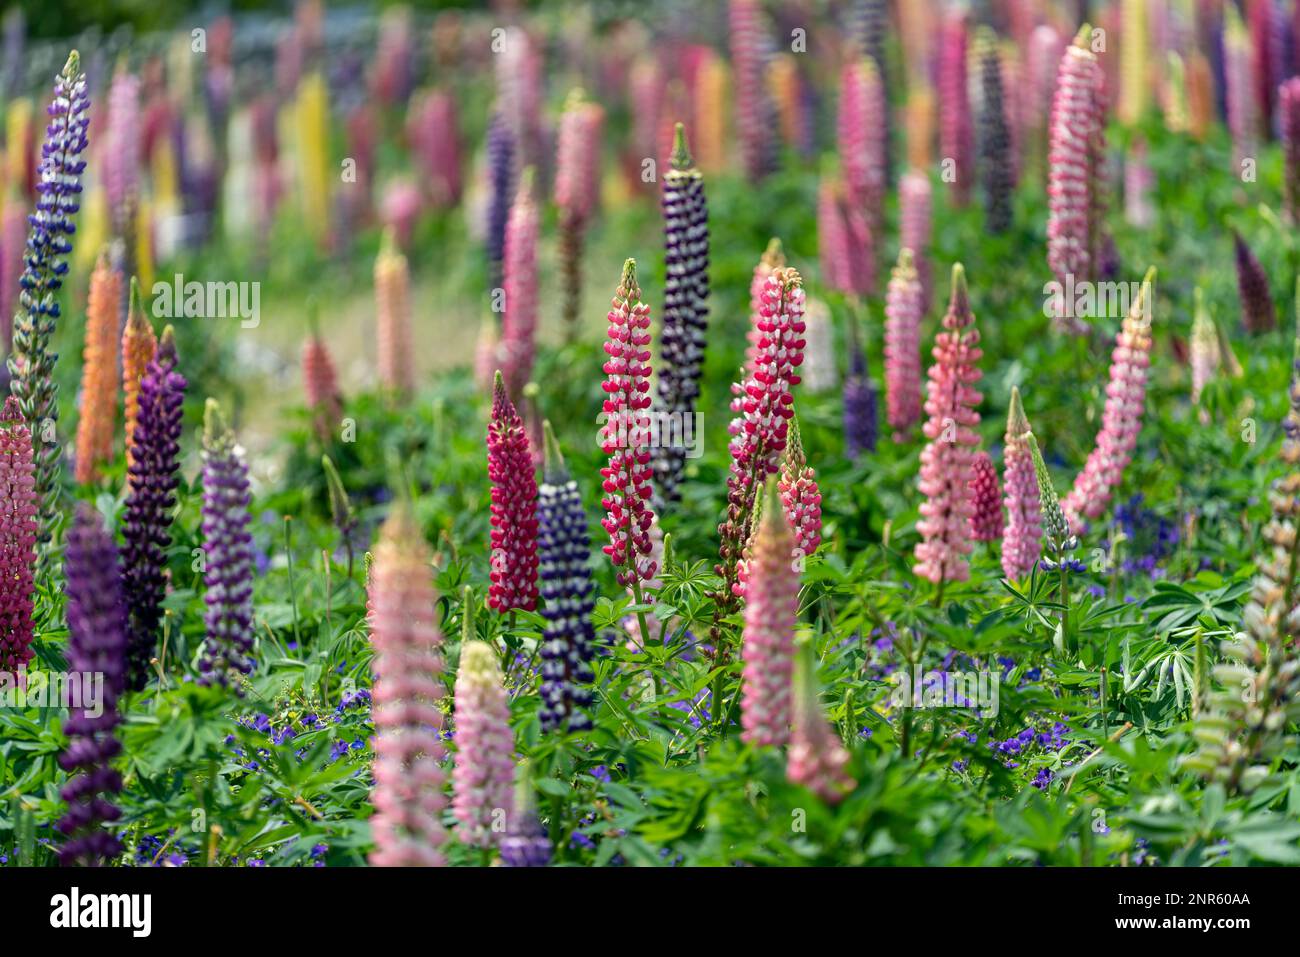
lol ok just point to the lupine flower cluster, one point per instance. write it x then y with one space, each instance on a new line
1258 313
1242 115
1122 417
13 238
17 538
1289 94
747 57
151 485
435 141
686 296
228 555
871 27
525 843
569 594
914 228
99 373
996 170
121 154
946 460
138 346
986 500
800 496
408 799
1022 538
519 321
862 152
1056 528
956 133
577 178
396 349
1075 157
771 613
500 158
861 408
624 436
904 306
31 363
514 507
320 384
833 243
1204 349
773 258
96 617
484 774
817 757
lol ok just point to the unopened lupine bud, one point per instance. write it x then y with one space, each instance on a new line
1022 539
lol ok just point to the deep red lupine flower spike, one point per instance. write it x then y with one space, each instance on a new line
514 507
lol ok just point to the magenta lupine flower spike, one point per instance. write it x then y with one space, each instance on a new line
946 460
576 185
800 496
956 132
1075 155
1258 313
514 507
485 747
228 545
903 311
862 151
1289 99
17 538
519 321
624 437
1243 116
986 500
1022 539
408 798
771 613
96 615
1122 418
817 757
914 228
121 154
152 478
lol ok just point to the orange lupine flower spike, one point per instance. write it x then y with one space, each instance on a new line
99 373
138 345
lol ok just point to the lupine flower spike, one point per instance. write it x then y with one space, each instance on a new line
800 496
525 843
956 135
96 616
228 555
861 408
408 799
903 311
569 594
817 758
747 54
624 437
771 613
686 298
1056 529
1204 349
986 500
514 507
500 153
1258 313
947 458
320 383
1289 94
519 321
17 539
1022 539
773 258
996 173
914 228
1122 417
151 485
577 180
393 319
820 372
99 373
862 151
31 363
485 747
138 346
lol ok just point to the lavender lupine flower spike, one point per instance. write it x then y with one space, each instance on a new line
151 484
567 588
96 617
500 153
229 554
686 295
31 363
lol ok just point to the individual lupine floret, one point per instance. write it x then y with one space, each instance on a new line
914 228
771 613
685 322
514 507
1022 539
1121 419
625 434
569 596
903 311
393 318
1258 313
99 373
408 795
986 500
18 528
1075 156
485 747
817 758
800 496
152 478
228 555
576 184
32 361
138 347
946 460
996 169
519 321
525 843
96 615
956 134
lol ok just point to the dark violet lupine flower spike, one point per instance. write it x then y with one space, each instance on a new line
96 617
569 595
1258 313
228 561
994 136
686 296
31 363
151 486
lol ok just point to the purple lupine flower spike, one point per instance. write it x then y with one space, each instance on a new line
860 406
151 486
228 560
525 843
565 570
500 157
31 363
96 617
